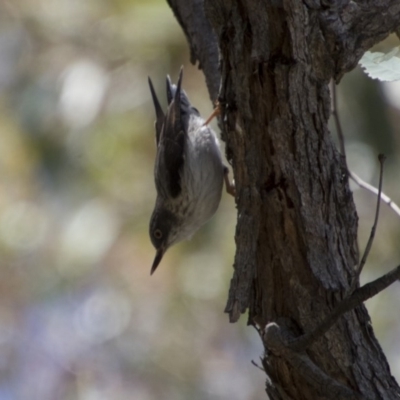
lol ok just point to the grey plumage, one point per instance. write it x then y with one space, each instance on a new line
188 173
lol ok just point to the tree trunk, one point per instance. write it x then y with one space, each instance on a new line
296 234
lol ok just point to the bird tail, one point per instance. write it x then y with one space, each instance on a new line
185 104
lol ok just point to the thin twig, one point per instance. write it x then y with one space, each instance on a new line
386 199
339 131
257 366
381 159
337 122
354 300
365 185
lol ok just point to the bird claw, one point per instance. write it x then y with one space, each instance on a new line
216 112
230 186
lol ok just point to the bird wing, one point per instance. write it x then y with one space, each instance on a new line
170 156
159 112
170 90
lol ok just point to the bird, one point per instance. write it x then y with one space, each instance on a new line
189 171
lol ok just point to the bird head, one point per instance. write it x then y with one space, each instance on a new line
164 232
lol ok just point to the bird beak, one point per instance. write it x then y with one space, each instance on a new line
157 260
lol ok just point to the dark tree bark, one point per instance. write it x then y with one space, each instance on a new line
297 224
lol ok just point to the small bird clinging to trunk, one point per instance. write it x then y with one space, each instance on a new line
189 172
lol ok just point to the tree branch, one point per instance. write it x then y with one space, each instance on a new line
276 338
365 185
297 224
352 27
201 38
354 300
381 158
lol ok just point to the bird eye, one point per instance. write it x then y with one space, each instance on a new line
158 234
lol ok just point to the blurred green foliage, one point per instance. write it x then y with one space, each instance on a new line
80 317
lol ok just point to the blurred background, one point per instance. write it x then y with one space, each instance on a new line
80 317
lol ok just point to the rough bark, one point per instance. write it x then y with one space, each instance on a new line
297 224
202 40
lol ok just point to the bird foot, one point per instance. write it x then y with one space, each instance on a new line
230 186
215 113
